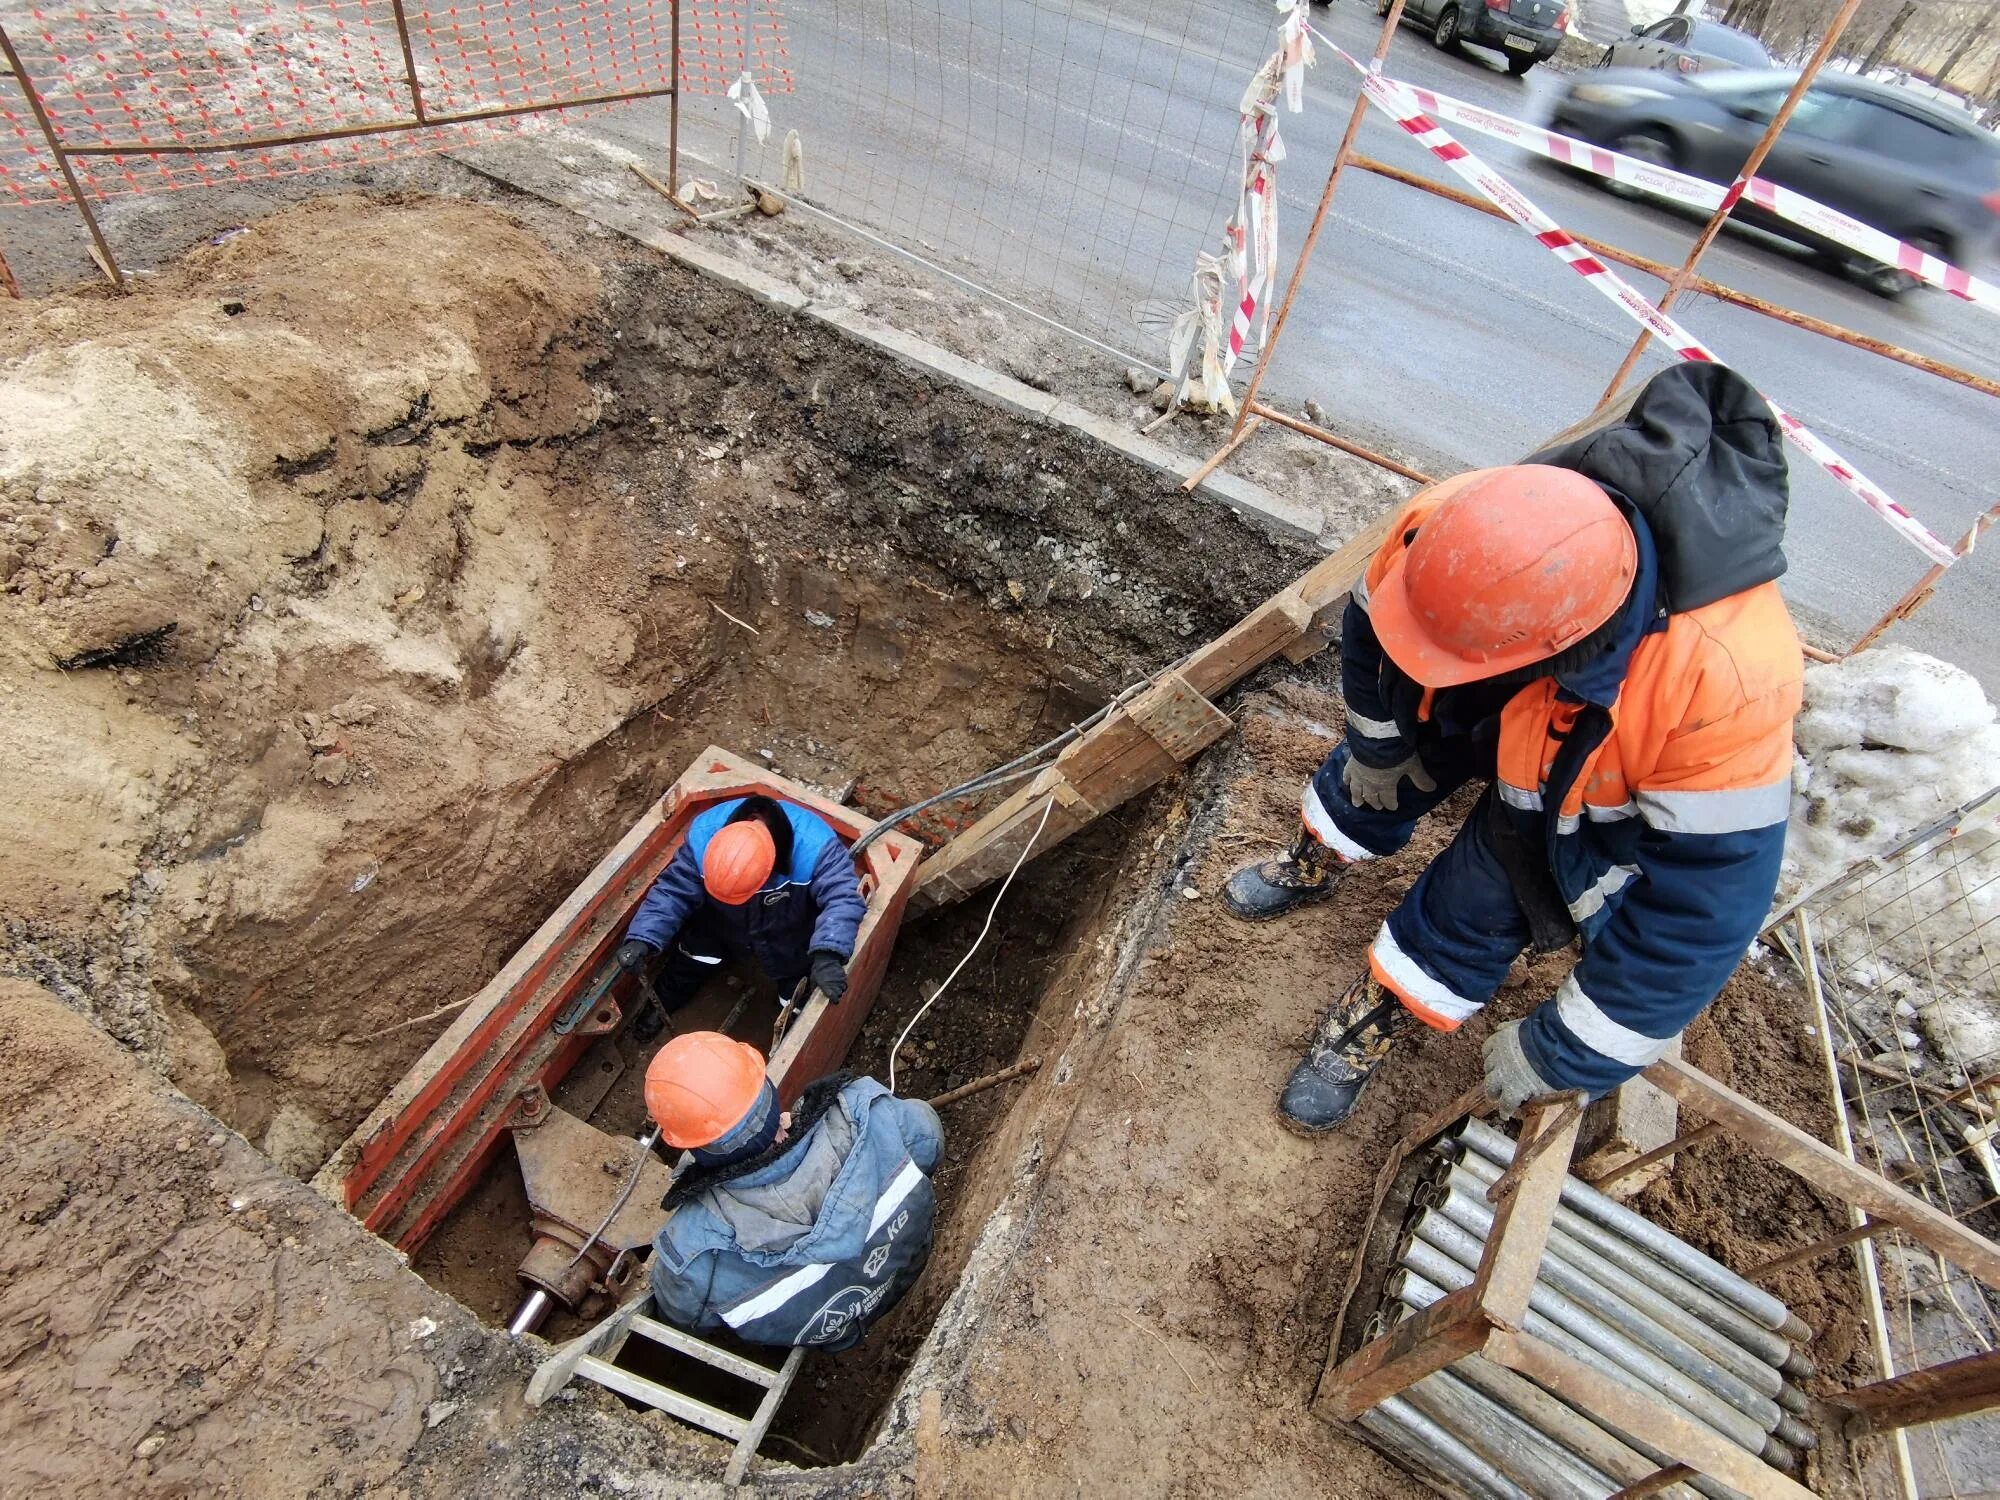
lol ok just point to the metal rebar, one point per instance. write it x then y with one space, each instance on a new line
1509 1445
1632 1261
1550 1313
1760 1374
674 108
1753 1301
1423 1445
1559 1283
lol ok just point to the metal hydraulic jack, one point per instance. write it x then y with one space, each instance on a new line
594 1355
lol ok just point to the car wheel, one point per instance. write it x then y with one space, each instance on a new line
1519 65
1445 33
1888 281
1648 146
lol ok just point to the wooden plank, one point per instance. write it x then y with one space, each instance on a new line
1824 1167
1953 1389
1627 1409
1180 721
655 1395
1420 1345
1631 1122
707 1353
1521 1220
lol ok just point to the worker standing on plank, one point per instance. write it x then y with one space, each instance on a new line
798 1226
1597 634
755 877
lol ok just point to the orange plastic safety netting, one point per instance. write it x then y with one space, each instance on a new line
301 82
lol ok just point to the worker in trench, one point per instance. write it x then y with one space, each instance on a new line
755 877
1597 635
799 1226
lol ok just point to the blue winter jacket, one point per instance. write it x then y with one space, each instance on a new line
812 905
814 1245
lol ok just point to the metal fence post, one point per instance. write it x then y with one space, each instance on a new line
409 59
100 247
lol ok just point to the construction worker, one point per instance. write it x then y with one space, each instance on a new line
755 877
798 1226
1597 634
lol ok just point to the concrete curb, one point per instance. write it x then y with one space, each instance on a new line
1252 503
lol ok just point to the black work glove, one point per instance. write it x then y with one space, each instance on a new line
829 975
634 954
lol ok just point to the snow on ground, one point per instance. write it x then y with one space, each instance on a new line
1891 743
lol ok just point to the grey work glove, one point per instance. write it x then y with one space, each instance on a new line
1369 787
1510 1078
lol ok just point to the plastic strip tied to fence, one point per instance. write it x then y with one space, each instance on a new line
1399 101
227 93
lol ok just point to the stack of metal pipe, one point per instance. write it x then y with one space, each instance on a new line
1614 1291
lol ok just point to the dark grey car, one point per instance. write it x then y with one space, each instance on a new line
1687 45
1525 32
1880 154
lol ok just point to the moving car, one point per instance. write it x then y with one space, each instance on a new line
1687 45
1880 154
1525 31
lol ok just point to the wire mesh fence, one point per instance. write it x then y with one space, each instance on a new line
1906 947
182 94
1073 157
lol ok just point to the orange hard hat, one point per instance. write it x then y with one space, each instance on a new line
738 862
1510 567
700 1085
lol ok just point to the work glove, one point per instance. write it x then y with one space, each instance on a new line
829 975
1511 1079
634 954
1368 786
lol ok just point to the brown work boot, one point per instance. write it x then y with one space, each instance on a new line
1351 1038
1304 873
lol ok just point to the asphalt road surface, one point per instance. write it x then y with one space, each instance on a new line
1075 155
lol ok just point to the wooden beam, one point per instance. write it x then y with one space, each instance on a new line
1521 1219
1627 1409
1147 740
1824 1167
1953 1389
1420 1345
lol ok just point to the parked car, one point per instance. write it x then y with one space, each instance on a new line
1880 154
1687 45
1525 31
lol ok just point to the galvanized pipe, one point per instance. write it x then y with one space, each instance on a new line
530 1314
1509 1445
1472 1215
1549 1310
1748 1298
1423 1445
1632 1261
1557 1280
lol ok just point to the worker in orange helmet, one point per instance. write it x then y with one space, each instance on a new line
758 878
799 1226
1598 636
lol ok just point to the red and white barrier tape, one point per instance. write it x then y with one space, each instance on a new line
1697 192
1399 100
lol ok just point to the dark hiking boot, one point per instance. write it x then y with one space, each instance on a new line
1304 873
1352 1037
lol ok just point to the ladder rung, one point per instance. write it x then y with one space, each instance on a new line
656 1395
707 1353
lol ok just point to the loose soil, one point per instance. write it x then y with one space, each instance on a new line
365 576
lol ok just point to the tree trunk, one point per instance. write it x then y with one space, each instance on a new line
1894 29
1976 33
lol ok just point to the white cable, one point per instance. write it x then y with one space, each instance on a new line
1000 895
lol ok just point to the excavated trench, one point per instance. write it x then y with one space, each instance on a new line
504 551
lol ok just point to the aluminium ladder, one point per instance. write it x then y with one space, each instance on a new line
593 1356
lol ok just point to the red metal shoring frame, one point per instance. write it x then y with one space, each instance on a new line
1252 413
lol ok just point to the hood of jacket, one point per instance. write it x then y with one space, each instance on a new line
1698 454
